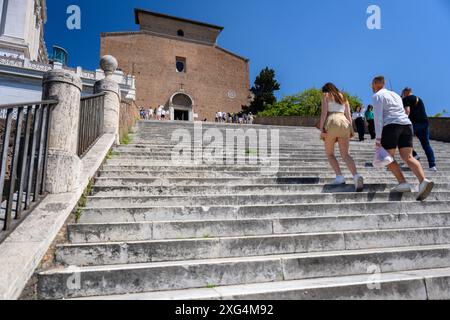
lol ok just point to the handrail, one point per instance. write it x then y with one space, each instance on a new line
93 96
91 122
27 104
24 143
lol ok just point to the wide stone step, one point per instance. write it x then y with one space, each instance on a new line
252 199
271 163
296 155
235 181
313 172
232 247
318 166
146 214
164 230
430 284
209 274
112 190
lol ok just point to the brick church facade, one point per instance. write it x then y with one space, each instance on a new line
178 64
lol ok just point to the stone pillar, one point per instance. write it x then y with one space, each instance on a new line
172 113
112 98
63 164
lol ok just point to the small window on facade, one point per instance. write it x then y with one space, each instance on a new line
181 64
180 33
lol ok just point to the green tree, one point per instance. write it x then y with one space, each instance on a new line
306 103
263 91
441 114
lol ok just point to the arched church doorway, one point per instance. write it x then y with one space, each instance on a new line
181 106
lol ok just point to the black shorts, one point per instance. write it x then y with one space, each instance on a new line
397 136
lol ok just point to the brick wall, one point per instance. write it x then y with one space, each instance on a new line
129 114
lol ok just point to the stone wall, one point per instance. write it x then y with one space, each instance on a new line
288 121
440 129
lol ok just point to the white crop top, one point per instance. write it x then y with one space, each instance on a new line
335 107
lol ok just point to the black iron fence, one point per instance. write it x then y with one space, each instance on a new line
24 134
91 122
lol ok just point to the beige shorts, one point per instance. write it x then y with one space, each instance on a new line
338 126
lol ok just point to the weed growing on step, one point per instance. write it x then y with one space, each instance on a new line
109 155
83 200
206 236
125 140
251 152
211 286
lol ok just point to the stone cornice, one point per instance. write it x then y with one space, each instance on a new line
150 33
144 32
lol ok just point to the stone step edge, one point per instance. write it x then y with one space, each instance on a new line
442 202
213 196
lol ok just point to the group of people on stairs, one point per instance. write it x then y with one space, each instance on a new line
393 122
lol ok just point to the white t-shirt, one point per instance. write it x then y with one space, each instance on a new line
388 109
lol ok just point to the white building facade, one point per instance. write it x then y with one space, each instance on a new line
21 80
24 58
22 29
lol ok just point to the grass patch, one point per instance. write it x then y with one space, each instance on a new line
211 286
83 200
125 139
252 152
109 155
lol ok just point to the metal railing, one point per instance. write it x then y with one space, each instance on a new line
91 122
24 134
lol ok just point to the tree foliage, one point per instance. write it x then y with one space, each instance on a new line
263 91
306 103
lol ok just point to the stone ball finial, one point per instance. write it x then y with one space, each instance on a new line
109 64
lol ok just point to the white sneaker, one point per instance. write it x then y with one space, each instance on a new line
425 189
359 183
340 180
402 188
434 169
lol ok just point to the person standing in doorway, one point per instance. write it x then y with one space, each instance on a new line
358 116
415 108
394 130
150 113
371 122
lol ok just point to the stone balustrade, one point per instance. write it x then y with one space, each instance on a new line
24 74
65 86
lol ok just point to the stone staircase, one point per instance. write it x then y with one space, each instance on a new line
155 229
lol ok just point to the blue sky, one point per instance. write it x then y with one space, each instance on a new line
307 42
